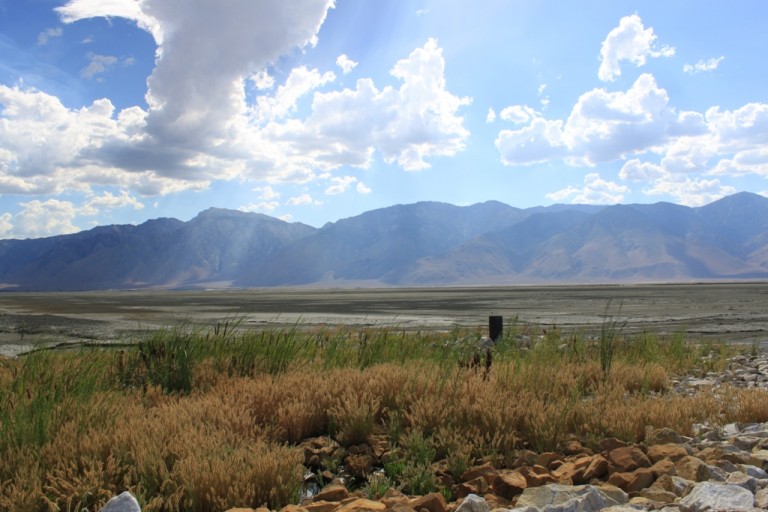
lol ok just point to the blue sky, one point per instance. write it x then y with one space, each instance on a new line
118 111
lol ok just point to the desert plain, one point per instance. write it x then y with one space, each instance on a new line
726 312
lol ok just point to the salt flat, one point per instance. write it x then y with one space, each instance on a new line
730 312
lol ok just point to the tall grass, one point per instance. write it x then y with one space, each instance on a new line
196 419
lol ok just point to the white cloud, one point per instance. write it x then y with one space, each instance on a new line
260 207
97 64
300 82
345 63
301 200
262 80
340 185
491 116
45 36
45 218
6 226
109 201
267 193
595 191
632 42
703 65
635 170
362 188
690 191
518 114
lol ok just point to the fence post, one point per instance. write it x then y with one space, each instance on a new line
495 327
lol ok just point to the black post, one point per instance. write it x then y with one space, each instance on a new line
495 327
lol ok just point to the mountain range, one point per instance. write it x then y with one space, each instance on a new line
421 244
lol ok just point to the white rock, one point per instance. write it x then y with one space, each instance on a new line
567 498
473 503
124 502
716 496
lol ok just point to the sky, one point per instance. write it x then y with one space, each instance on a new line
120 111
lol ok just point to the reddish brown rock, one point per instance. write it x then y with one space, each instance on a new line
574 447
362 505
536 476
332 492
632 481
663 467
475 486
509 484
673 452
610 444
293 508
486 471
546 459
597 468
433 502
322 506
568 473
627 458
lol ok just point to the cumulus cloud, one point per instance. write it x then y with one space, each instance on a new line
490 116
301 200
199 126
632 42
45 218
703 66
690 191
260 207
345 63
267 193
6 227
595 191
362 188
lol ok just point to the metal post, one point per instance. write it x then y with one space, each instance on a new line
495 327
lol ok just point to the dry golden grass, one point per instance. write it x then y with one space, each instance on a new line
233 440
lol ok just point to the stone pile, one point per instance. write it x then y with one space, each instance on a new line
716 469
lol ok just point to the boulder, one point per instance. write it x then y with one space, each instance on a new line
566 498
597 468
627 458
673 452
674 484
361 505
537 476
717 496
610 443
124 502
321 506
742 480
332 492
632 481
693 469
486 471
509 484
433 502
473 503
664 436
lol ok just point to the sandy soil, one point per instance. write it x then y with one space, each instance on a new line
731 312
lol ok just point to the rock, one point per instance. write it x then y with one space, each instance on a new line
124 502
321 506
475 486
610 443
715 496
546 459
574 447
693 469
632 481
761 499
362 505
664 436
293 508
568 473
759 458
657 494
674 484
509 484
628 458
537 476
745 442
753 471
486 471
433 502
565 498
332 492
597 468
673 452
742 480
473 503
662 467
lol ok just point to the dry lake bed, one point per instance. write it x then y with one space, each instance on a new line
728 312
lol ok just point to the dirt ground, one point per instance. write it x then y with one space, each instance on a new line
730 312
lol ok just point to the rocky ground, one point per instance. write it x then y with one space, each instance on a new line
719 468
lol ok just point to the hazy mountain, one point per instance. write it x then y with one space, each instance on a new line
404 245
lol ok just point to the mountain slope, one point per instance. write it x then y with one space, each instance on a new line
426 243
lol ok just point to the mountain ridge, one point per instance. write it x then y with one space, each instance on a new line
418 244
